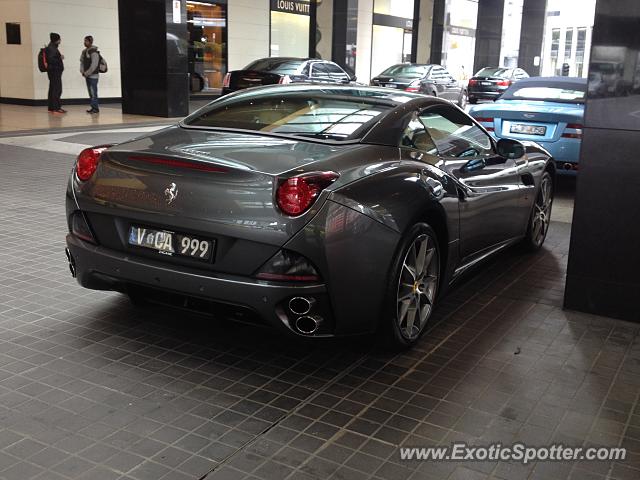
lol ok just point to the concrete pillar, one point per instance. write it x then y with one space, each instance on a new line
534 13
602 273
437 31
153 57
489 34
425 30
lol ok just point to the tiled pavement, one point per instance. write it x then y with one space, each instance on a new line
93 388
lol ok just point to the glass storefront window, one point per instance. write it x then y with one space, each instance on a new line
555 47
392 33
511 26
397 8
207 30
387 48
352 35
580 47
289 28
459 41
568 44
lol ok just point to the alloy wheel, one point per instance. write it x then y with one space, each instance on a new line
542 212
417 286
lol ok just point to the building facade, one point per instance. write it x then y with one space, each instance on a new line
567 38
160 52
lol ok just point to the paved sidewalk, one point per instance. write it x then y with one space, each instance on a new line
23 118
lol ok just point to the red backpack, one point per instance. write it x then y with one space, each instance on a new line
43 65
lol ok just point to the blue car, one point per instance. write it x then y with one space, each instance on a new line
545 110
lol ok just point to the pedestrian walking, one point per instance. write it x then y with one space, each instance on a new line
90 70
54 68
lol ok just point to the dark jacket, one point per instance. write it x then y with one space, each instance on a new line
54 59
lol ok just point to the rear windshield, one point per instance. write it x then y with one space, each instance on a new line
494 72
275 65
412 71
570 93
293 114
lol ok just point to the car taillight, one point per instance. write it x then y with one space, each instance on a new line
573 126
288 266
87 161
413 86
284 79
473 82
226 81
504 83
487 123
296 194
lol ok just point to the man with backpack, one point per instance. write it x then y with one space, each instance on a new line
54 66
90 69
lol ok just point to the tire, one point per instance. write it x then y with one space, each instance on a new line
411 295
462 101
540 217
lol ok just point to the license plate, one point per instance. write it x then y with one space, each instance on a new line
486 84
528 129
391 85
171 243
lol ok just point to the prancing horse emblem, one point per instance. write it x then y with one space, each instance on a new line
170 193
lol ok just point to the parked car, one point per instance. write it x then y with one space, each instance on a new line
325 210
432 80
546 110
491 82
284 70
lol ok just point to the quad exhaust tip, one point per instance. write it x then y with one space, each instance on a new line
301 305
308 324
71 261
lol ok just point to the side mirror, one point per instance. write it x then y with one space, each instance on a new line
512 149
352 78
473 165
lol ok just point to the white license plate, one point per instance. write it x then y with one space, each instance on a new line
486 84
171 243
528 129
391 85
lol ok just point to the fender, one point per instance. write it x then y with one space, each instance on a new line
409 192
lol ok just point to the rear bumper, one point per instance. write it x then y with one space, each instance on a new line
566 153
567 168
484 94
100 268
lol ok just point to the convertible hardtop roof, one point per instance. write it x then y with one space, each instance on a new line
352 92
285 59
561 81
381 131
417 64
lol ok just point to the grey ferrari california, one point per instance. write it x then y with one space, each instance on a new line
321 210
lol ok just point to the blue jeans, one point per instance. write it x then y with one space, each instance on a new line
92 88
